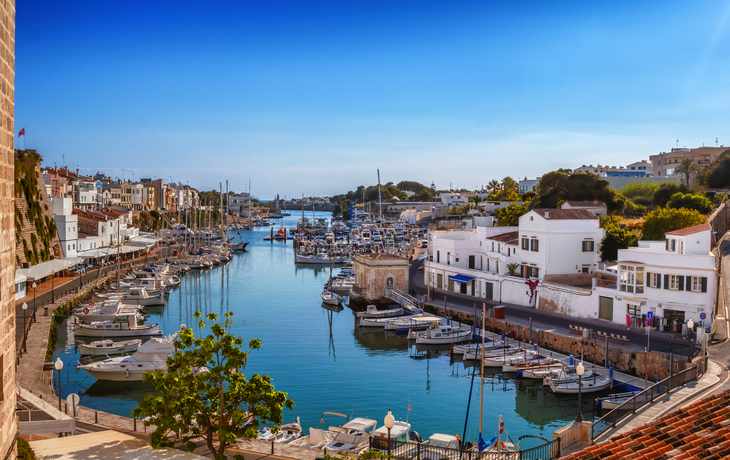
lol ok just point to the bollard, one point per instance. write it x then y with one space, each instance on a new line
272 442
135 423
96 417
65 409
570 362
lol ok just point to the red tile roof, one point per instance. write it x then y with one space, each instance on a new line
565 214
701 430
507 238
690 230
586 204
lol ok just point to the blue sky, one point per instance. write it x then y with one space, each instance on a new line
312 97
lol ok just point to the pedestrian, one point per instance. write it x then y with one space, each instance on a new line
674 326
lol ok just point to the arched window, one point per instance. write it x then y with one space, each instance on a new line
390 283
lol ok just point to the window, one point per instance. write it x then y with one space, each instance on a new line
525 244
585 270
671 245
448 258
631 279
674 282
588 246
472 261
654 280
698 284
492 246
633 311
534 245
438 257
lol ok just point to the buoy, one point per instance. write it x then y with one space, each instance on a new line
86 311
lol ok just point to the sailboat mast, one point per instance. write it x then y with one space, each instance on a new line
228 198
481 392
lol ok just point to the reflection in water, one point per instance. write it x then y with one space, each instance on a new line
133 391
330 310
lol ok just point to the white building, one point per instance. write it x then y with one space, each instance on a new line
642 165
67 225
454 199
494 263
597 208
138 196
241 204
672 279
528 185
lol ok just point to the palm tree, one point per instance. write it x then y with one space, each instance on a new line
512 268
493 185
687 168
509 184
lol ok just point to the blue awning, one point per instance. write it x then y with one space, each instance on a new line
462 278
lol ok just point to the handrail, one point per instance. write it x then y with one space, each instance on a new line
633 402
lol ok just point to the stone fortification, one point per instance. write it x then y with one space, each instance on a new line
36 236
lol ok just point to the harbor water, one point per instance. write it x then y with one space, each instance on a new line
323 360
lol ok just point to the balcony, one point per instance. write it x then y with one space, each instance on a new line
607 284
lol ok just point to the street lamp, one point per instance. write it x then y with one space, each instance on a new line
580 370
25 348
690 325
58 365
389 422
33 286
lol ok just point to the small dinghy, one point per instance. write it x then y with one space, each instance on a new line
108 347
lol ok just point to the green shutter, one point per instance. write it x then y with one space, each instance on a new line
704 284
666 281
648 277
680 282
659 282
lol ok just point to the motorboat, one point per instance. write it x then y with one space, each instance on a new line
592 384
352 437
139 296
121 326
398 434
415 322
107 347
287 433
106 311
443 335
150 356
566 374
319 259
318 438
539 371
331 298
615 400
438 447
372 311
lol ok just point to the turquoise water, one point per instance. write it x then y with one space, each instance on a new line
323 360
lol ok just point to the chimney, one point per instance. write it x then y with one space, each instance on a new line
547 214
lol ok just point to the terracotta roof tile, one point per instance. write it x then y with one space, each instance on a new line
701 430
690 230
565 214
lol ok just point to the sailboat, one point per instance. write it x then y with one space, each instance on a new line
329 296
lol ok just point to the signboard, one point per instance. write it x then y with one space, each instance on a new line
703 316
649 322
650 314
73 403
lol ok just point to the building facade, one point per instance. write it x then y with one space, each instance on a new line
664 163
8 420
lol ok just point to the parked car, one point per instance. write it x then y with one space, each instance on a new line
424 244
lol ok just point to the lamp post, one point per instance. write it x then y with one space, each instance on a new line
389 422
53 280
25 307
580 370
33 286
690 325
58 365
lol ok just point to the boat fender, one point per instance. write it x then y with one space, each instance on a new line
127 373
86 311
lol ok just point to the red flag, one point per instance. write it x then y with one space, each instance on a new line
409 407
22 132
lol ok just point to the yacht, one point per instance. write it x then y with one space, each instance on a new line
352 437
124 325
108 347
149 357
373 312
443 335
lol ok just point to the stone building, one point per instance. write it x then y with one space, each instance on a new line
376 273
8 420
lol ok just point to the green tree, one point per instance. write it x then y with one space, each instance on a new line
639 189
690 201
717 174
616 238
212 404
634 210
663 220
512 268
576 186
509 216
493 186
665 191
686 168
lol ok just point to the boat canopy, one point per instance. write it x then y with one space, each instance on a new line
359 424
399 429
461 278
442 439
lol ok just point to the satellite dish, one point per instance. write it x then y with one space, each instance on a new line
73 402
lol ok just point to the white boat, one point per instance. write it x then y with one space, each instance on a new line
566 374
149 357
439 447
140 296
615 400
592 384
352 438
443 335
107 347
316 438
540 371
373 312
415 322
319 259
120 326
287 433
331 298
106 311
398 434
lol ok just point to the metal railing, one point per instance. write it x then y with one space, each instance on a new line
409 450
646 396
402 297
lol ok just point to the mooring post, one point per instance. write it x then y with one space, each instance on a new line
530 328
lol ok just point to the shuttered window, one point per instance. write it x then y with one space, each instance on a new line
534 245
588 246
525 244
697 284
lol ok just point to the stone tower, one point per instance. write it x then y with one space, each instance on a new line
8 421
